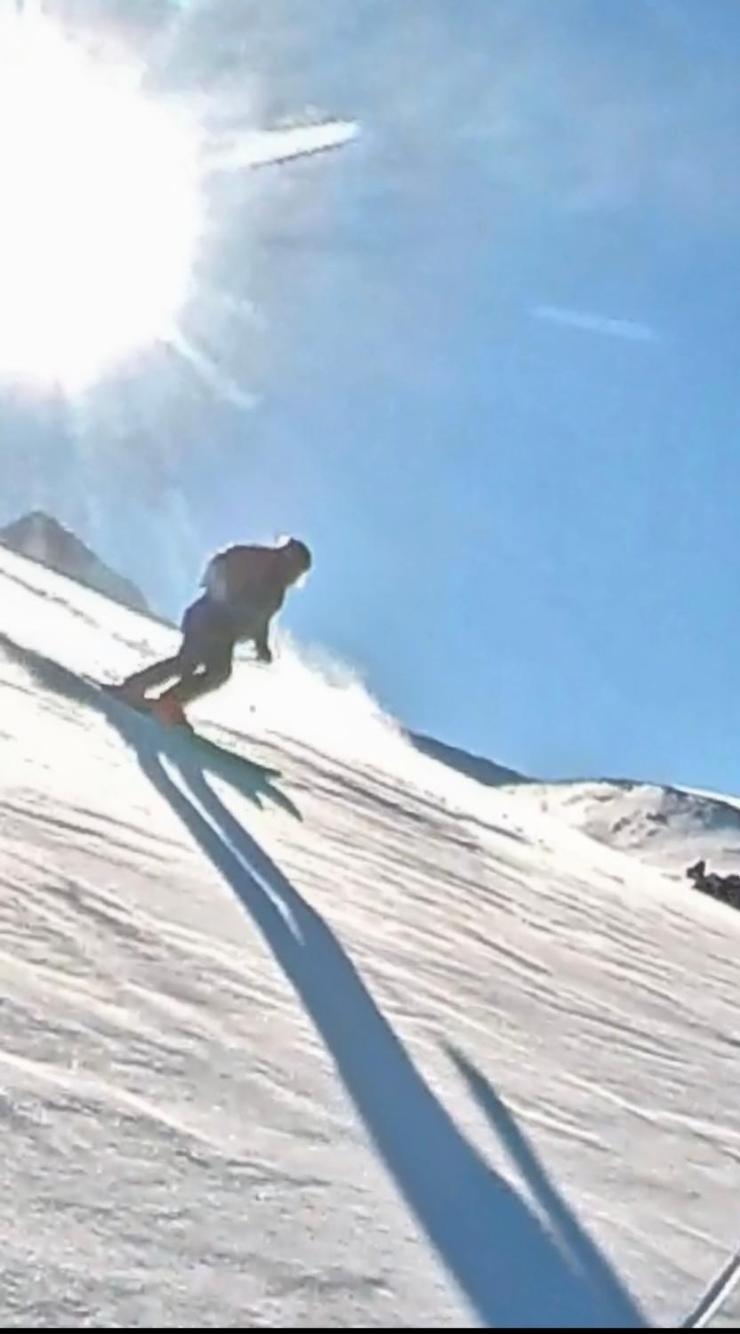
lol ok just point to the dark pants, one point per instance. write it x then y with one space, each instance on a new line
202 664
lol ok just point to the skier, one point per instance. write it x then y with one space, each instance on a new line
244 587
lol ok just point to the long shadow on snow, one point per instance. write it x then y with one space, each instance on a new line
572 1236
511 1269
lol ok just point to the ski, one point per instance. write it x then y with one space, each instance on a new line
715 1295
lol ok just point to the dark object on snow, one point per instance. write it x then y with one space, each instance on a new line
723 887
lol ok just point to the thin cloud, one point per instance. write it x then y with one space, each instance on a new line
210 373
588 322
259 148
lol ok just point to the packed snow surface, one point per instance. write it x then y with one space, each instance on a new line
336 1034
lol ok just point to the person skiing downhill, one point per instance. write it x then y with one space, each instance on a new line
244 586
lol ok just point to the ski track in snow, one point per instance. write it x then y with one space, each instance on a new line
417 1053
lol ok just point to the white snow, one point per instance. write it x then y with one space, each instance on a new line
343 1039
664 826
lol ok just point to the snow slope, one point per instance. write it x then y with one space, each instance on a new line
664 826
339 1036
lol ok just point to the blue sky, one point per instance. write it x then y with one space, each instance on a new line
493 349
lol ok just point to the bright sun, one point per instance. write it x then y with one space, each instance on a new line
99 210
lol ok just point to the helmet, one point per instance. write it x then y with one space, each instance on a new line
299 554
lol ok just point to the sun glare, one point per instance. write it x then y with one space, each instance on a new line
99 210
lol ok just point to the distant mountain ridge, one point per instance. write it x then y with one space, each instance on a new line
480 768
41 537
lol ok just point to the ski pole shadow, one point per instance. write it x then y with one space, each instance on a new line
511 1270
572 1235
